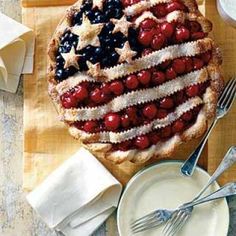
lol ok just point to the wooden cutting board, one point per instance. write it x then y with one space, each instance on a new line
46 140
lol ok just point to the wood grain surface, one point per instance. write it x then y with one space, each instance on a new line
16 217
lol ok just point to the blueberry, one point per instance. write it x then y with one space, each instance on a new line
87 5
105 62
60 60
114 58
90 15
98 53
60 75
70 71
117 13
77 18
93 59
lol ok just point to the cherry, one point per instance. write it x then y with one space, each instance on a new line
134 1
167 29
148 24
192 91
188 64
198 35
159 10
146 51
179 66
158 41
166 132
90 126
81 93
206 57
68 101
144 77
125 122
197 63
170 73
194 26
187 116
124 146
167 103
150 111
131 82
161 113
165 64
106 89
175 6
154 138
158 77
112 121
117 87
177 126
179 97
126 3
142 142
182 34
145 37
132 113
96 95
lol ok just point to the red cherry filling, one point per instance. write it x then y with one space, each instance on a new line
92 94
175 6
142 142
150 111
144 77
117 87
148 24
81 93
90 126
112 121
167 29
131 82
182 34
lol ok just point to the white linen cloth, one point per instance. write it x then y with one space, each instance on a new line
78 196
17 44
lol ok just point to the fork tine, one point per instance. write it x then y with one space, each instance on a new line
147 223
149 226
172 221
231 97
180 224
223 94
145 218
228 90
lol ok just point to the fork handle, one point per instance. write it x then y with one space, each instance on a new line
225 191
190 164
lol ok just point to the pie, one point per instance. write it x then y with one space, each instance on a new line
134 79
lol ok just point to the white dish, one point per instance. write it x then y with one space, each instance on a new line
162 186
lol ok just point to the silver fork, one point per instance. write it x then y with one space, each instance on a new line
161 216
181 217
224 104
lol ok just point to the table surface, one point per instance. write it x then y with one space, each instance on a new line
16 217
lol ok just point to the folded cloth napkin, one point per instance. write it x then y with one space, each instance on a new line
16 52
78 196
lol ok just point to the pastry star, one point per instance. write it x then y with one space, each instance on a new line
94 69
126 53
87 32
98 4
121 25
71 58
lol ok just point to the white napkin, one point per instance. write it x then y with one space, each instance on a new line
16 52
78 196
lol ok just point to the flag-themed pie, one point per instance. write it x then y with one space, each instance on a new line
133 79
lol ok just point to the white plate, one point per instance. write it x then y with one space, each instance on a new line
162 186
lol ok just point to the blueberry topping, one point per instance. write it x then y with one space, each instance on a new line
105 54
